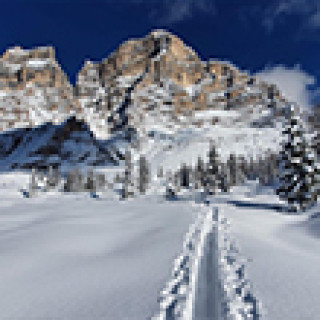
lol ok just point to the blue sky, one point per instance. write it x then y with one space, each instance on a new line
277 38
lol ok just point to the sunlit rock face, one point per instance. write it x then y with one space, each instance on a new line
33 89
160 77
154 79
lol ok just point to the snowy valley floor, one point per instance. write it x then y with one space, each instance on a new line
283 252
72 257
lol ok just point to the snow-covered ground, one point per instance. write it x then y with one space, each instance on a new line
73 257
282 249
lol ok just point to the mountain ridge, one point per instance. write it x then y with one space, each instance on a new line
151 84
161 58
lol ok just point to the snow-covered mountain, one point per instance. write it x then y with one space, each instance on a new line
156 88
158 80
33 89
66 144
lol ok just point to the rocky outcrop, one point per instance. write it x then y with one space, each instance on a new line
33 89
68 143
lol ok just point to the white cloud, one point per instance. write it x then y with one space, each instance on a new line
275 12
294 83
173 11
177 11
314 20
282 8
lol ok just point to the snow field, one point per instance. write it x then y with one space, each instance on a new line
282 251
72 257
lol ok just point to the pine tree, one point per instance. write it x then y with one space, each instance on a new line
224 178
171 190
101 181
117 178
233 170
212 172
33 185
91 183
160 173
269 169
315 143
243 167
53 178
144 174
263 171
298 180
128 183
176 181
74 181
199 174
185 175
253 169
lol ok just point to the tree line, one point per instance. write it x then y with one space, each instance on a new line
213 175
293 172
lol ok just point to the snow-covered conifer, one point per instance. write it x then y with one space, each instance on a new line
212 171
315 143
91 183
224 178
298 176
117 178
253 169
199 173
53 178
128 183
268 169
171 189
176 181
33 185
74 181
233 170
144 174
243 167
160 173
101 181
263 171
185 176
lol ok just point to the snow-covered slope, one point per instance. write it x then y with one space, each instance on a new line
69 143
72 257
282 251
231 134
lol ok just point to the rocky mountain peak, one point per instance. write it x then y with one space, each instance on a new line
33 88
160 75
157 75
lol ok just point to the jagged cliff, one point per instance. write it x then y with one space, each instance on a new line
33 89
160 76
